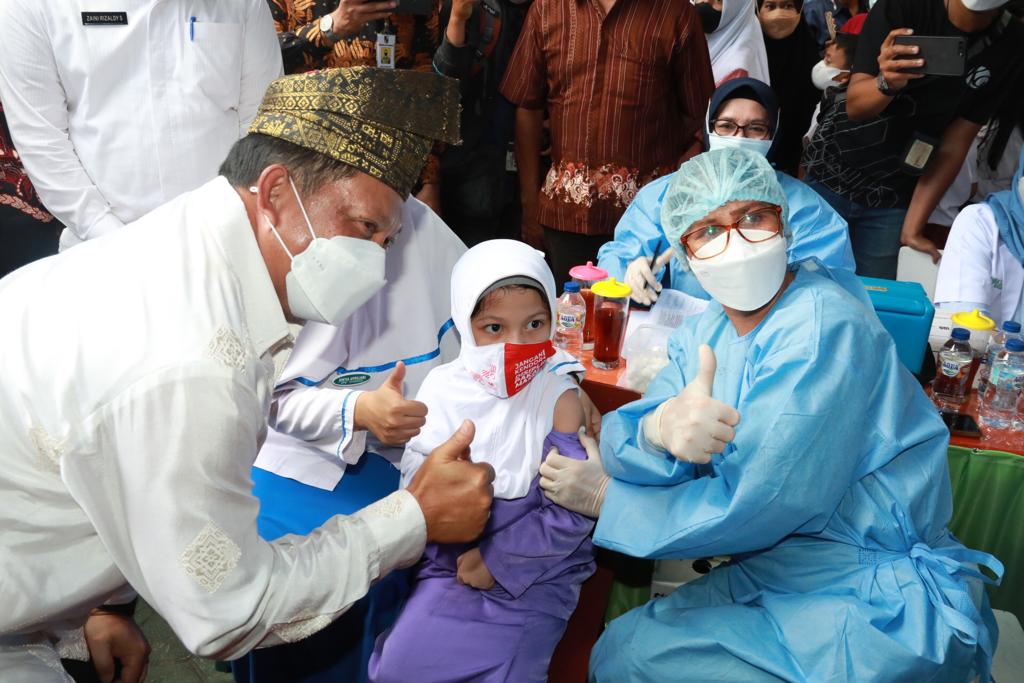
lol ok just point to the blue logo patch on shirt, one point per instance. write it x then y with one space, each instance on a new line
997 283
352 379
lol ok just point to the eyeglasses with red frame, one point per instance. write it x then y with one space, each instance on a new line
764 220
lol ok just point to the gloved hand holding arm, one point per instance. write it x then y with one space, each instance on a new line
576 485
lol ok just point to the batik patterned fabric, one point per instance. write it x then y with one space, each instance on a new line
16 189
381 121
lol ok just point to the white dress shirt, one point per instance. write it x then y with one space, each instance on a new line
977 270
137 376
112 121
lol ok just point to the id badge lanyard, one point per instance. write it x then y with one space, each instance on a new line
386 46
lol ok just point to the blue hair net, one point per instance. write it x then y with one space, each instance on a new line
713 179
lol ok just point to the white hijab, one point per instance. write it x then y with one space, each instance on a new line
407 320
510 431
738 42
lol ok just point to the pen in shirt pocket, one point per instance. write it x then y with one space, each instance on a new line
192 29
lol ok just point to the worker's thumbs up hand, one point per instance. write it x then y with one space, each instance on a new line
387 413
692 426
454 493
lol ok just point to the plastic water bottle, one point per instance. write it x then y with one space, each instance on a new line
953 367
572 316
999 402
1018 418
1010 330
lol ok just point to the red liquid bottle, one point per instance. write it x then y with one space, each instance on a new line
611 311
587 276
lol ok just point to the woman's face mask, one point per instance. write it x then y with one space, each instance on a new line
778 19
710 18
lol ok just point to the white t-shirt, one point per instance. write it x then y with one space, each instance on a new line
977 267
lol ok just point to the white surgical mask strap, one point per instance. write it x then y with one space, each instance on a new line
301 207
273 228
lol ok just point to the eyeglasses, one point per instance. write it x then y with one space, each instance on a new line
726 127
755 226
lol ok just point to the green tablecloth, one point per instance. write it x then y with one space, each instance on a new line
988 514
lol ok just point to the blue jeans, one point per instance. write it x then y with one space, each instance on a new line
874 233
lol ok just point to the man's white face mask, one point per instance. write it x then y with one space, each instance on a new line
333 277
716 141
746 275
824 76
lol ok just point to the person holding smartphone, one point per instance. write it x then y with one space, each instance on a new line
886 161
391 34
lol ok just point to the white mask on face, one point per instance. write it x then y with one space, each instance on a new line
716 141
824 76
333 277
746 275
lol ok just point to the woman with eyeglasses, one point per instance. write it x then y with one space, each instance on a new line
786 434
743 114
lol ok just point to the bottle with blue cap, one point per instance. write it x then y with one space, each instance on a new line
953 369
999 401
571 317
1010 330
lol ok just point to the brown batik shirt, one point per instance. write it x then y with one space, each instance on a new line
626 94
305 48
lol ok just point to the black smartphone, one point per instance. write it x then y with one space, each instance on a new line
942 55
424 7
961 425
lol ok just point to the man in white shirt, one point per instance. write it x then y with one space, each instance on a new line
138 374
116 112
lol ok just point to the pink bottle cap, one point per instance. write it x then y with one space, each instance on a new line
588 273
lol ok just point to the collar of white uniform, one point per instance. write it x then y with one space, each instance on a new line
228 225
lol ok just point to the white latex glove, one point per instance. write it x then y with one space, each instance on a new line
576 485
640 277
692 426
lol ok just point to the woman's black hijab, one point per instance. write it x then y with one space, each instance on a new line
790 60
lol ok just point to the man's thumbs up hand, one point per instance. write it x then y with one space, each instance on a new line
693 426
386 412
454 494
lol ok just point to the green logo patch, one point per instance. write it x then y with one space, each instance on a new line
352 379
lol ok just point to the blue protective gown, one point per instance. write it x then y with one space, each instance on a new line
832 500
818 232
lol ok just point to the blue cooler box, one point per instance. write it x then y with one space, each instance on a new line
906 312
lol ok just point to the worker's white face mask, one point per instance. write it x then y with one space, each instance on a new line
716 141
824 76
746 275
504 369
333 277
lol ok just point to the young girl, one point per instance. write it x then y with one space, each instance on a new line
494 610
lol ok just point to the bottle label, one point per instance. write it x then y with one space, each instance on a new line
569 321
952 368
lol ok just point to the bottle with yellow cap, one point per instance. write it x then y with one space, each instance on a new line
611 310
980 326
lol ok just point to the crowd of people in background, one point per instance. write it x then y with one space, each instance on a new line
568 109
576 116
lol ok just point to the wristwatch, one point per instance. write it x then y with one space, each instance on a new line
327 26
883 86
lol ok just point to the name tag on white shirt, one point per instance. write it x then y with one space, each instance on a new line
386 50
104 18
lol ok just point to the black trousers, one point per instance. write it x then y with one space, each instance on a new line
23 239
567 249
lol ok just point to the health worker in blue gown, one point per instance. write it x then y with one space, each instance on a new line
744 114
785 434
